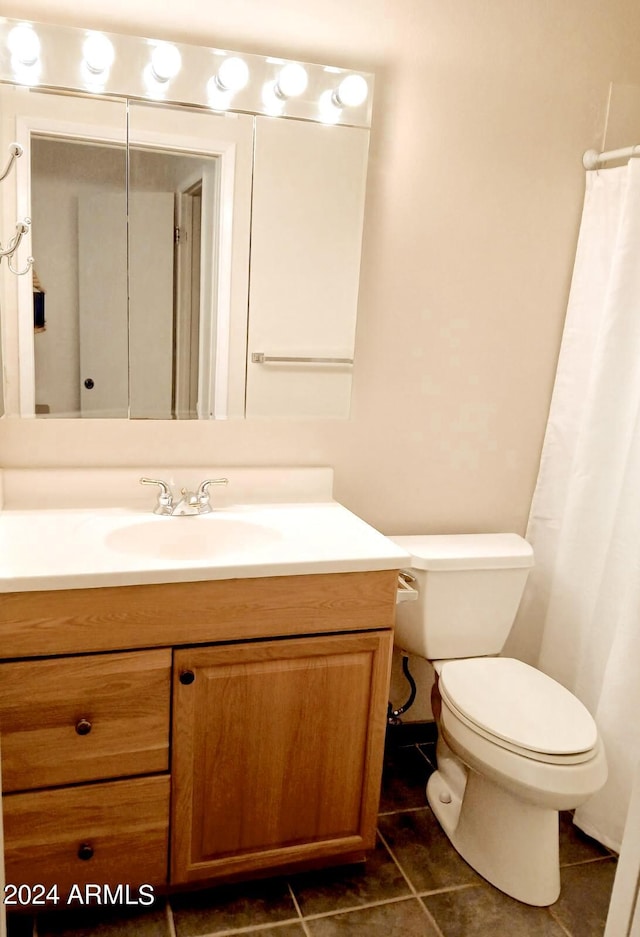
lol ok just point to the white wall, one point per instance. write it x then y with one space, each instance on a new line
482 111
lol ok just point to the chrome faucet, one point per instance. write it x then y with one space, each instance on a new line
191 502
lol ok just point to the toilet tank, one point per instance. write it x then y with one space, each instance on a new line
469 589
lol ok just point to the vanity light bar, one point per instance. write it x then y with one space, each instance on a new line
91 61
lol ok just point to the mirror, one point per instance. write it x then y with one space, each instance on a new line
172 207
139 269
106 247
75 183
189 263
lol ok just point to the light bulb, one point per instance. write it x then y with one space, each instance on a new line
330 113
292 81
233 74
165 61
219 100
272 102
351 92
98 53
24 45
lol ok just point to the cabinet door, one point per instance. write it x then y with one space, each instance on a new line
277 752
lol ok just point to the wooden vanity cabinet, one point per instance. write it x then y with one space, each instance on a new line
272 755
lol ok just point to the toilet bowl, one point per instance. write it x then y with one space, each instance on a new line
514 746
505 772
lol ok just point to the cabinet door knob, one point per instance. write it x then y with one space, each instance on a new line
85 851
83 727
187 677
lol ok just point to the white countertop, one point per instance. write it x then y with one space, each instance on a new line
85 547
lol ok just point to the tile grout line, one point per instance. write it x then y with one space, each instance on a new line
298 910
572 865
359 907
556 920
430 918
426 757
392 813
402 872
449 889
171 924
426 911
252 928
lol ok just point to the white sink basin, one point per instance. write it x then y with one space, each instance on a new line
190 538
99 529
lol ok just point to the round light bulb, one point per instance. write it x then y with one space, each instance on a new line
24 45
233 74
219 100
98 53
352 91
292 80
272 102
165 61
330 113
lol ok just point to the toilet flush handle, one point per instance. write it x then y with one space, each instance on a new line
405 592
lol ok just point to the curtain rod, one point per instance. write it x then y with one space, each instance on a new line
592 158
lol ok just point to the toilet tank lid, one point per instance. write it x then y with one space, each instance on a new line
466 551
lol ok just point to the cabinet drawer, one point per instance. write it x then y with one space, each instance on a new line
68 720
119 827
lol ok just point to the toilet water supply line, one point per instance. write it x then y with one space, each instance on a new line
393 715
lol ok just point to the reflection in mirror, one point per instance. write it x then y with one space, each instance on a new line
92 360
141 281
49 328
190 175
79 232
170 195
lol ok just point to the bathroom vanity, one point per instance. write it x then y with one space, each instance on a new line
216 718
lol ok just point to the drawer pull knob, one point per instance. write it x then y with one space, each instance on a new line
85 852
83 727
187 677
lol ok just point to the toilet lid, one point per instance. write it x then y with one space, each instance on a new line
516 703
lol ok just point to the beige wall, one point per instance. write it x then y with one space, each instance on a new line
482 112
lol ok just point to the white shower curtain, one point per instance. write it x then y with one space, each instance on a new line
585 516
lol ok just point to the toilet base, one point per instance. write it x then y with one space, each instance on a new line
509 842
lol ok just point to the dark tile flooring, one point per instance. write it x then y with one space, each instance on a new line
414 885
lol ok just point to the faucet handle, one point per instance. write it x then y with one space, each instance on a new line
203 492
165 497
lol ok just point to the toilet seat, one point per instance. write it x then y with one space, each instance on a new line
518 708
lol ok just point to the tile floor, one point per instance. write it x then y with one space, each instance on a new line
414 885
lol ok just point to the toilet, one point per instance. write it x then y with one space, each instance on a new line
514 746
